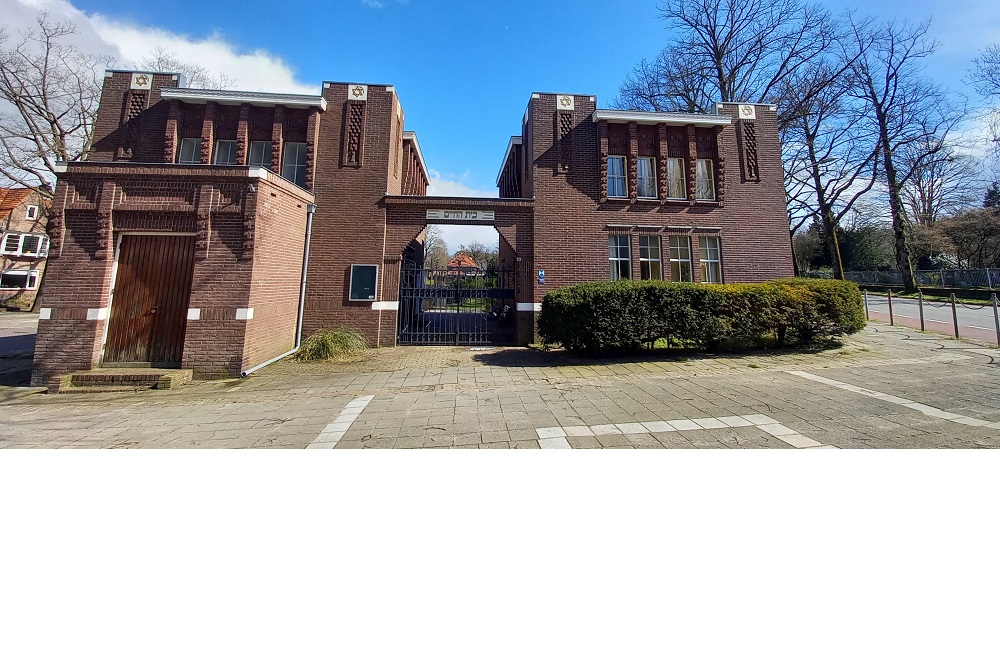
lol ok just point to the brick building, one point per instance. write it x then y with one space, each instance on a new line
212 229
24 245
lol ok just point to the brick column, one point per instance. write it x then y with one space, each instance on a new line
692 163
243 134
633 161
663 150
695 258
170 134
602 133
208 133
105 223
720 169
312 131
277 136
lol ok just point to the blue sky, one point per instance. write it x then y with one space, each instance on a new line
464 70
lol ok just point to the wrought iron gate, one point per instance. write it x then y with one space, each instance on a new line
452 307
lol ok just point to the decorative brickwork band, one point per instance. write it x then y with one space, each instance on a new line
203 220
243 134
174 117
312 131
633 162
720 167
662 152
105 224
277 137
136 104
355 134
750 167
208 133
565 134
692 163
602 133
55 228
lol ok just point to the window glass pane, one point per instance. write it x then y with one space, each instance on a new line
30 244
11 242
619 257
680 258
705 186
189 152
647 179
363 278
650 267
260 154
675 178
225 152
13 280
293 163
711 260
616 177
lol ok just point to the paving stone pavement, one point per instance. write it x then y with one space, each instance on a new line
498 399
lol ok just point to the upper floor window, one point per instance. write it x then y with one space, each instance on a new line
25 245
620 257
225 151
293 164
647 178
711 260
650 265
616 176
190 151
31 213
705 185
680 259
260 154
676 185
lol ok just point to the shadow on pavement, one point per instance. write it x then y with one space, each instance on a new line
532 358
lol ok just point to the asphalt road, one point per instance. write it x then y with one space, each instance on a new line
976 322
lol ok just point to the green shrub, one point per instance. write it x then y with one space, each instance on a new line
625 315
332 344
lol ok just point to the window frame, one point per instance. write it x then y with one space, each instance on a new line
680 262
648 262
31 212
303 166
189 141
615 261
30 282
652 176
707 262
678 162
710 173
233 152
623 177
350 287
42 249
265 156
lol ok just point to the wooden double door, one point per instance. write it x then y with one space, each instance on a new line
150 300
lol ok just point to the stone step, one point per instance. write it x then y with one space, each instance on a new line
117 379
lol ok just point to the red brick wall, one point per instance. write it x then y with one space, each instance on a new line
144 136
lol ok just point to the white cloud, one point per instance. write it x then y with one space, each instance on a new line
452 186
127 43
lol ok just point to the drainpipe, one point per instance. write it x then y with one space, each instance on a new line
310 210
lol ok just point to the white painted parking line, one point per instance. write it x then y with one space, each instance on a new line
928 410
335 430
556 437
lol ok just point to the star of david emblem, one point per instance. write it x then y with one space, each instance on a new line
357 91
142 79
565 100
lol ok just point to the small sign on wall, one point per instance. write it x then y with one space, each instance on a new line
364 278
357 91
440 214
748 112
142 81
541 276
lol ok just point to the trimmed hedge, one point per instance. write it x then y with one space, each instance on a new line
625 314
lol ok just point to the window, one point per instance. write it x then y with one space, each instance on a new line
27 245
711 260
676 186
705 185
31 213
293 164
620 257
260 154
650 266
19 280
190 151
363 280
225 151
647 178
616 176
680 259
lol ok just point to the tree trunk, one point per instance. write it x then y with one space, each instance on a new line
898 214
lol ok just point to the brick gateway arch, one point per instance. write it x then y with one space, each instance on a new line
431 308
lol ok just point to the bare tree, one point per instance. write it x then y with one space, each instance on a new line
49 91
986 75
943 183
195 76
829 149
728 51
912 114
435 249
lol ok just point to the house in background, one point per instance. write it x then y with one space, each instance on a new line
463 265
24 245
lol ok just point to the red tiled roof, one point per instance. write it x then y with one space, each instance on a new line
11 198
462 260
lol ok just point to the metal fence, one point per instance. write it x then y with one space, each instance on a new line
957 278
908 311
